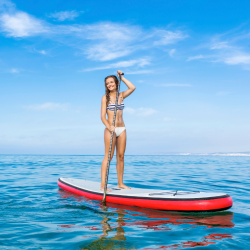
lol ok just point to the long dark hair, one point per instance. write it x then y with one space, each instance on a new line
107 90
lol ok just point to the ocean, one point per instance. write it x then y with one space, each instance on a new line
36 214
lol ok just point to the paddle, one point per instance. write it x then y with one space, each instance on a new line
111 142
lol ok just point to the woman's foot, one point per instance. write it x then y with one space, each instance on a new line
102 189
123 186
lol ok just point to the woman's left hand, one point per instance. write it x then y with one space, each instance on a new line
119 72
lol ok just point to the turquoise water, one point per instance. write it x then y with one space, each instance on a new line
35 214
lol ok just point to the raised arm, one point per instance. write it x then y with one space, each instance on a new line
130 85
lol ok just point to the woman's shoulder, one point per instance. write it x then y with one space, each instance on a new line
104 98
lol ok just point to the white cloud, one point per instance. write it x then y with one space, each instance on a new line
107 40
171 52
140 111
20 24
111 40
123 64
118 40
229 52
129 110
43 52
230 48
146 111
228 56
139 72
220 45
31 49
174 85
14 71
63 15
102 41
231 57
106 52
48 106
168 37
195 57
238 59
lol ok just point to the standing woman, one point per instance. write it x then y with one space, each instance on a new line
119 139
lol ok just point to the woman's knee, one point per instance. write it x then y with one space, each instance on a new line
120 157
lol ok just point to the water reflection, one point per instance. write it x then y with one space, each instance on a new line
203 242
212 219
119 221
106 242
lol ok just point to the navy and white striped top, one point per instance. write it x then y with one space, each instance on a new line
111 106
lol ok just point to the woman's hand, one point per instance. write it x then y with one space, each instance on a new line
111 128
119 72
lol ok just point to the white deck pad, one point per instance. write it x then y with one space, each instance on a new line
94 187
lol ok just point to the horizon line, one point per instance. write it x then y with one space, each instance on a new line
166 154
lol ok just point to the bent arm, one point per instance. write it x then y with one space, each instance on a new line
103 112
130 85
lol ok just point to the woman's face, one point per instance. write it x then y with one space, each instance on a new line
110 83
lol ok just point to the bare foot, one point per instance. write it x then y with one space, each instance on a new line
102 189
123 186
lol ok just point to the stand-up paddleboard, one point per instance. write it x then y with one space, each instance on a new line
150 198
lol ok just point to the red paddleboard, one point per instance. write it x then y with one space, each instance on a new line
188 201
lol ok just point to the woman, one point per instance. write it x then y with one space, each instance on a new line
119 139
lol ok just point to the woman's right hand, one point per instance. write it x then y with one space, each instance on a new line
119 72
111 128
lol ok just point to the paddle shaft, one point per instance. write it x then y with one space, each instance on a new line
111 142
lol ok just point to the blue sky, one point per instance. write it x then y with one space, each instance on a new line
190 62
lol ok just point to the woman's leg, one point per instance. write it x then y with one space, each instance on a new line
120 150
107 137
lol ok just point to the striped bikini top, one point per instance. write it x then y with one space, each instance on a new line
111 106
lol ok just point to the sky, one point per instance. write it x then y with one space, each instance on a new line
189 61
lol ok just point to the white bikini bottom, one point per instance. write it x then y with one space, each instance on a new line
119 130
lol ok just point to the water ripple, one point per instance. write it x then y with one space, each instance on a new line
35 214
